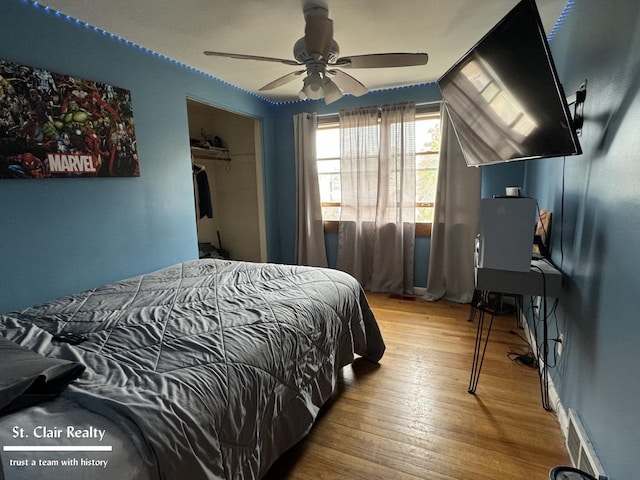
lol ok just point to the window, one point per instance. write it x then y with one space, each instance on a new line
427 132
328 154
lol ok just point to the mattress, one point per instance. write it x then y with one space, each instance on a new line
208 369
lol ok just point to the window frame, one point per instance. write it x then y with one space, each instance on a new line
423 229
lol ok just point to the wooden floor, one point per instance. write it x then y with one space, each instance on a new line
410 417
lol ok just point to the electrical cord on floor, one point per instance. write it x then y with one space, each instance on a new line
528 358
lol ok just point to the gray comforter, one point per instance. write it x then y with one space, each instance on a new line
220 366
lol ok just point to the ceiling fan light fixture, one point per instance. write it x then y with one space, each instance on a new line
313 86
331 91
314 82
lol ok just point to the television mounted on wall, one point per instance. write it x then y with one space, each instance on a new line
504 98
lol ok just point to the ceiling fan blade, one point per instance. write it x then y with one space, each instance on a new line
318 35
282 80
347 83
241 56
383 60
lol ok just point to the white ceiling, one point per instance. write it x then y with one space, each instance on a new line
445 29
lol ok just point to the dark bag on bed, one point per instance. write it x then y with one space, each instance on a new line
28 378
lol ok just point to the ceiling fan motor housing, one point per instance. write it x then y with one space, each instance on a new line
317 10
301 55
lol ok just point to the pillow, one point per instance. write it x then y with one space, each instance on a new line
28 378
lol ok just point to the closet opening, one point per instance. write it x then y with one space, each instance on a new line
226 158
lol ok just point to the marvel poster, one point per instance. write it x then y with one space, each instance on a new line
54 125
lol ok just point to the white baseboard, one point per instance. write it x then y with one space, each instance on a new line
586 457
554 400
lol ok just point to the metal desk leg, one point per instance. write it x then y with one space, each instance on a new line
475 302
519 310
480 349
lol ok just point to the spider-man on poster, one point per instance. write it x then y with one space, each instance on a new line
54 125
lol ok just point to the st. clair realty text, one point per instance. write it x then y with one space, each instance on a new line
69 431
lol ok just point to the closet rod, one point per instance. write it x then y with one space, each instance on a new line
210 157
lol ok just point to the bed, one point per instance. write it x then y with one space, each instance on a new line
209 369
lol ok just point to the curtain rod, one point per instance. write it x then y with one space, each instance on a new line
429 104
418 105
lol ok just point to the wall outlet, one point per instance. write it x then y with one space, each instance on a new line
537 304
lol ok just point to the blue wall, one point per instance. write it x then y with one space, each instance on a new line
65 235
595 241
495 178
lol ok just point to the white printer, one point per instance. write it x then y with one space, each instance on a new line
507 228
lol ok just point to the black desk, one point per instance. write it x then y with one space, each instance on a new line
543 280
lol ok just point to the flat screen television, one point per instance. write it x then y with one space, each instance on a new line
504 98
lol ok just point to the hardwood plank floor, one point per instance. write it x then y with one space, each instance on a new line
410 417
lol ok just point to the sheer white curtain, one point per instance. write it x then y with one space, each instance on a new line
310 247
455 223
377 178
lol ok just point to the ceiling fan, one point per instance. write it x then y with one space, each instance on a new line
319 53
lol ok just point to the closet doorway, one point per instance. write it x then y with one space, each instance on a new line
227 147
